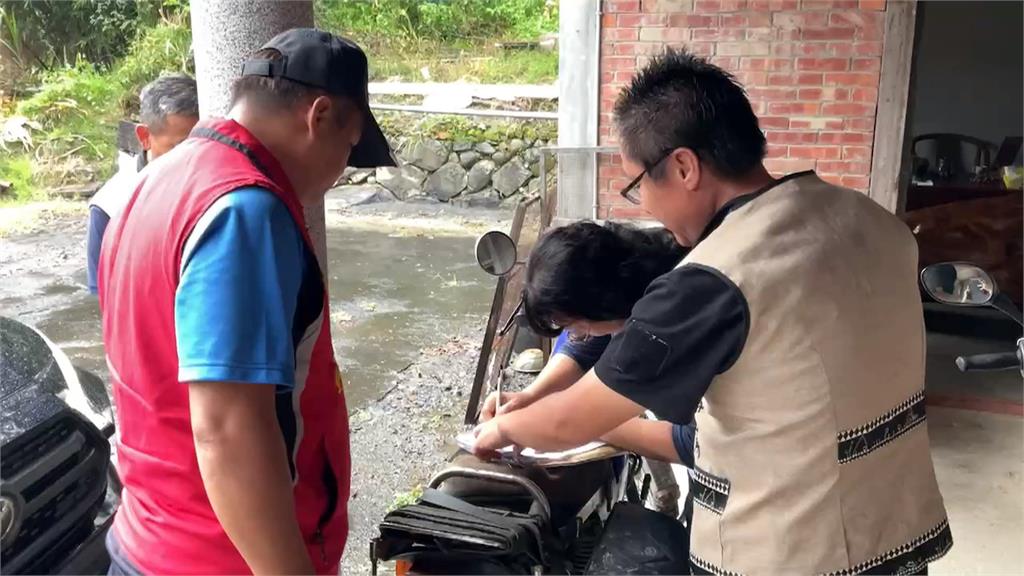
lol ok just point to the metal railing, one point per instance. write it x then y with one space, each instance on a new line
483 112
439 98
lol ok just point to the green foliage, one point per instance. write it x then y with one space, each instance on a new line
80 90
79 105
80 64
375 21
77 108
452 39
488 66
17 169
11 38
464 128
164 48
406 498
50 33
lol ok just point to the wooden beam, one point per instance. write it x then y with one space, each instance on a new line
887 161
496 348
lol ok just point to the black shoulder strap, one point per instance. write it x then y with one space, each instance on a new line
211 134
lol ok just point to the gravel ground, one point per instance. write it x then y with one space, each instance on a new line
400 441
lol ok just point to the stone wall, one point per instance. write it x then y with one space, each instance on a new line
465 173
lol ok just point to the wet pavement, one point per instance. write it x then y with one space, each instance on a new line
392 296
393 293
408 311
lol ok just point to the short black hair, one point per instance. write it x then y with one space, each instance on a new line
277 93
268 91
681 100
592 272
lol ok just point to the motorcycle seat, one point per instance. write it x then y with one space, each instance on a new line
567 488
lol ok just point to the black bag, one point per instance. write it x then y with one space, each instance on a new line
637 540
443 529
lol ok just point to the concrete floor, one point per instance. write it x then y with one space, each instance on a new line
979 459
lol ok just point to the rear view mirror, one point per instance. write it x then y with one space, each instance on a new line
496 253
958 283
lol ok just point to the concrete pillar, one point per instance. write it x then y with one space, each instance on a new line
224 34
578 61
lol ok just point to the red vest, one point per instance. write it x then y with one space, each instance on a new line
165 523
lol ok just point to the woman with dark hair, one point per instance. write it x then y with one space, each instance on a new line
582 281
585 278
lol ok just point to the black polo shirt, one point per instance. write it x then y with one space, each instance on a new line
689 327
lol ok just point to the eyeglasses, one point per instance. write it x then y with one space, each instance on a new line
632 190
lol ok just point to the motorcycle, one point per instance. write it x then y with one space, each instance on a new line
58 486
577 513
964 284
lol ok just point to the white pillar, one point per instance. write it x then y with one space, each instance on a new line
224 34
578 60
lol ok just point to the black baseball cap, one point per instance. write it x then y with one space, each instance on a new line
335 65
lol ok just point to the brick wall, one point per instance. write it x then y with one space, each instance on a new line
810 67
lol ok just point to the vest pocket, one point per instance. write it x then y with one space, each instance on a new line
709 491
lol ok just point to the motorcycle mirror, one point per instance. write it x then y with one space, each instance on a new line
496 252
959 284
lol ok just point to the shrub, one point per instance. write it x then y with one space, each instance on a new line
17 169
53 33
382 21
79 105
80 90
162 49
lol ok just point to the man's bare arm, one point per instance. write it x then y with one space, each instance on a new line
583 412
244 465
559 373
648 438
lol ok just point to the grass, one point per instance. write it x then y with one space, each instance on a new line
406 498
452 39
463 128
449 21
481 64
16 168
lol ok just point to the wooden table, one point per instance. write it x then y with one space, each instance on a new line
920 196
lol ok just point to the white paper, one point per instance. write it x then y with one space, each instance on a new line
466 440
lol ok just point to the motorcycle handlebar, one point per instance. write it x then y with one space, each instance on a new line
997 361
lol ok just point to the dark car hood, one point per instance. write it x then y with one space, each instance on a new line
30 364
26 360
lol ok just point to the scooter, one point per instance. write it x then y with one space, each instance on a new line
964 284
582 513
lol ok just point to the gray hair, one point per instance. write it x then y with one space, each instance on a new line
167 95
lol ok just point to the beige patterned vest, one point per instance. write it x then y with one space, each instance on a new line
812 449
